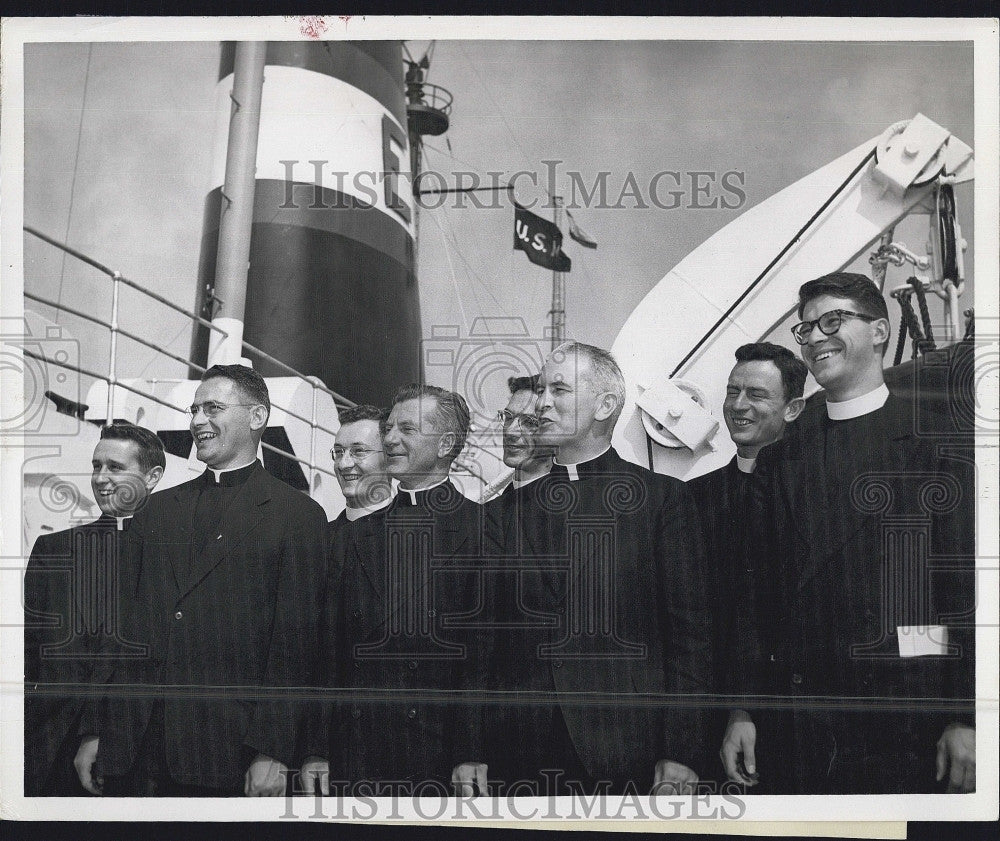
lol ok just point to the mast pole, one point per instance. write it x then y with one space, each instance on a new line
558 295
236 215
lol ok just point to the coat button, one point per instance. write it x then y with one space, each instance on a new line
178 615
797 679
356 712
557 664
412 664
432 613
411 712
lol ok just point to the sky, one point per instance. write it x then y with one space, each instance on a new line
118 142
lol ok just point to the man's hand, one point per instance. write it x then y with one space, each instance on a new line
737 752
469 776
673 778
265 778
315 770
86 756
956 756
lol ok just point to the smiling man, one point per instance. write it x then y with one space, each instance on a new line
66 576
863 550
227 571
763 395
360 464
396 636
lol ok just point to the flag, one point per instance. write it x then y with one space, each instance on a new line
577 233
540 239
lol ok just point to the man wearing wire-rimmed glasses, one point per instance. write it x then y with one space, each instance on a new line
224 579
359 463
519 423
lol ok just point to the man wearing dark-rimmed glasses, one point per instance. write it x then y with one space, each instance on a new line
863 547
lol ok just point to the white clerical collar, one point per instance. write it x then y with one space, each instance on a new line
520 483
745 465
357 513
571 469
121 521
412 492
217 474
858 406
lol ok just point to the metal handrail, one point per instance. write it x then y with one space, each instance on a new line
431 96
125 333
148 344
119 277
103 377
42 358
112 326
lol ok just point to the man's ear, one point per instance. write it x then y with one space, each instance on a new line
880 331
793 408
606 407
446 443
153 477
258 417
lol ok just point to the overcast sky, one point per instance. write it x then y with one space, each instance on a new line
118 142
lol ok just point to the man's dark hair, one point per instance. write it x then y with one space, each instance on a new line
363 412
146 441
516 384
793 370
247 380
857 288
452 413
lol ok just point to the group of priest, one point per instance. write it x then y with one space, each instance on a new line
800 621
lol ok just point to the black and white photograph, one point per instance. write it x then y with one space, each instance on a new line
500 421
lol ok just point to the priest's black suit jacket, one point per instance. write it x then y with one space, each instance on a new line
67 583
863 527
226 634
613 622
403 643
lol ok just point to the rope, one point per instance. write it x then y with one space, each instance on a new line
773 263
906 308
970 326
901 341
925 315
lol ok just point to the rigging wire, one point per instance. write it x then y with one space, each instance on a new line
524 155
788 246
472 271
76 166
451 267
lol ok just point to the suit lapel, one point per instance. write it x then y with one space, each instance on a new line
180 522
366 539
240 518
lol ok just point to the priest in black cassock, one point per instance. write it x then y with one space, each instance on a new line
67 610
763 395
359 465
608 683
360 468
225 574
864 558
510 739
405 664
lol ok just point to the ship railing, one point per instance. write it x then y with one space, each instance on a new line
430 96
112 325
